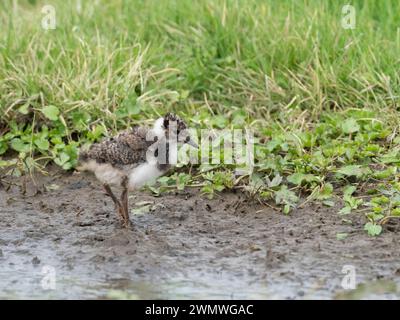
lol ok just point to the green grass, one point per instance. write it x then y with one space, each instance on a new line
322 100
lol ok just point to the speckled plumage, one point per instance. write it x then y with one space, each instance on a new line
132 158
114 158
127 148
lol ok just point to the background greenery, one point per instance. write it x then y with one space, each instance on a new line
323 100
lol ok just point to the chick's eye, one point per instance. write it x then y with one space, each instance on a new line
187 139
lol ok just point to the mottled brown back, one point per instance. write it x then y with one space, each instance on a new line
127 148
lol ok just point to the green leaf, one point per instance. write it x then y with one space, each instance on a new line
286 209
18 145
165 180
67 166
42 144
341 236
51 112
79 119
184 94
24 109
7 163
62 159
52 187
328 203
345 210
395 212
219 121
390 157
255 181
375 217
96 133
141 210
131 104
3 147
181 180
325 192
208 190
380 200
272 144
298 178
133 109
373 229
285 196
384 174
349 190
350 126
276 181
354 170
156 191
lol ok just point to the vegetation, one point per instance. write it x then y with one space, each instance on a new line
322 100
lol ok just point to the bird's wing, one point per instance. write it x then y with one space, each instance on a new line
127 148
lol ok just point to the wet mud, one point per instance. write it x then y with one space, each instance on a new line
63 240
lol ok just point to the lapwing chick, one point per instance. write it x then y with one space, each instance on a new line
135 157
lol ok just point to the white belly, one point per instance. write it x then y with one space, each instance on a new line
104 172
145 173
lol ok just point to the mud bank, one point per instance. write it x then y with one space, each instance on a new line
66 242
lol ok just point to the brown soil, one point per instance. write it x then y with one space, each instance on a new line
186 246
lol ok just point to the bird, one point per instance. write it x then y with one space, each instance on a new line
135 157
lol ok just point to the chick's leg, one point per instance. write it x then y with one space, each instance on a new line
124 202
117 203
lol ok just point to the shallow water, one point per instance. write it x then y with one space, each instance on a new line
27 281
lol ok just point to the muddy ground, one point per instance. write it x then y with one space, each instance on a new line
185 246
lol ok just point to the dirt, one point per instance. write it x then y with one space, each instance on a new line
182 246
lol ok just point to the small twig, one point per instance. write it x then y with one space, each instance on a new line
78 213
271 206
386 219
